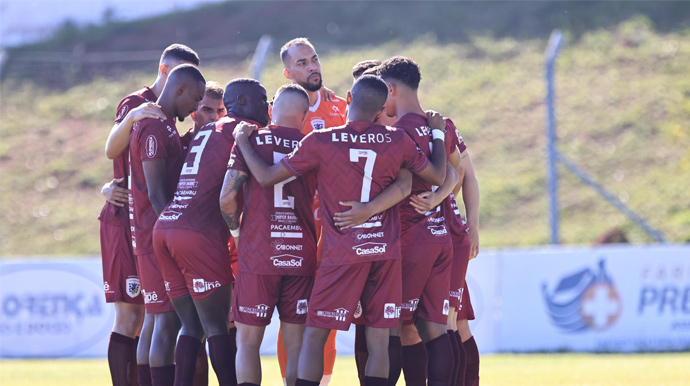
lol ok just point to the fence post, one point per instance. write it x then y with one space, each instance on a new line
260 55
552 173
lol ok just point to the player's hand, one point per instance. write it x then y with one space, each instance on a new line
328 94
359 214
425 202
115 194
244 130
146 110
435 120
474 243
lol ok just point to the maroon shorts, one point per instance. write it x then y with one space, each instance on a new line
192 262
120 277
426 277
153 287
338 290
256 296
461 256
465 310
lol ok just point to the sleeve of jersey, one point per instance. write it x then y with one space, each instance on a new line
413 157
236 161
304 158
126 105
151 141
455 136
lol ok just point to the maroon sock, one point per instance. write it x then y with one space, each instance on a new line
456 356
440 362
395 358
201 373
120 358
375 381
304 382
461 362
472 371
186 354
233 341
361 352
221 351
144 375
163 375
133 369
414 360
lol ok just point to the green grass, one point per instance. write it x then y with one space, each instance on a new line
497 369
623 100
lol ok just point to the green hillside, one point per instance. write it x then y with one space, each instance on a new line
623 99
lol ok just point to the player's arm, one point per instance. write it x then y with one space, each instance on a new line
361 212
232 185
156 181
427 201
470 197
435 173
115 194
118 139
265 175
454 160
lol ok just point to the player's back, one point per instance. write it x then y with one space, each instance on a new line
195 205
279 218
356 162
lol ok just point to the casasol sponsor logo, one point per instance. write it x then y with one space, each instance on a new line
438 230
370 249
287 261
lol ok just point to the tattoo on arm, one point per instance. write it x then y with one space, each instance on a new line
233 183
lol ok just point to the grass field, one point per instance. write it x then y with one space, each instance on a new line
498 369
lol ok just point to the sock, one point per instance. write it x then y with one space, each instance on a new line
456 356
472 371
133 369
304 382
281 352
186 354
361 352
325 380
461 362
329 353
395 357
144 375
120 358
375 381
414 359
440 363
201 373
163 375
233 341
221 352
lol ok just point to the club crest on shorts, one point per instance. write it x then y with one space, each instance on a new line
133 287
358 310
302 306
390 311
446 307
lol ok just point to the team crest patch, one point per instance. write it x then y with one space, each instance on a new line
133 287
151 146
302 306
390 311
446 307
358 310
318 124
123 113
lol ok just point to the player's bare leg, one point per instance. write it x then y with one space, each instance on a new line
472 353
310 365
189 342
248 359
213 313
163 341
123 343
292 339
440 361
378 363
143 350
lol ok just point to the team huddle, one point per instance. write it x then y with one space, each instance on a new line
334 211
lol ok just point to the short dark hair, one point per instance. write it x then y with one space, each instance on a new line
402 69
182 53
188 71
214 90
292 43
359 68
369 93
372 71
230 89
294 89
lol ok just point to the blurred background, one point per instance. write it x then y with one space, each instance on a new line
622 114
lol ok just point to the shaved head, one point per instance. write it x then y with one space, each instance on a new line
290 105
369 94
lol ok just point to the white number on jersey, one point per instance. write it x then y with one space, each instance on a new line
280 201
197 150
370 155
433 188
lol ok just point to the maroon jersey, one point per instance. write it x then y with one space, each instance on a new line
451 212
420 228
279 219
151 139
111 214
185 139
195 205
356 162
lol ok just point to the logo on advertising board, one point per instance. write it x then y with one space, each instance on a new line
584 300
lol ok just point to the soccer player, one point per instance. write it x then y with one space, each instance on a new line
426 245
155 153
353 163
302 66
121 280
210 109
280 223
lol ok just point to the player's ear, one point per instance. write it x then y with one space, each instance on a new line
164 70
192 114
242 100
349 97
392 91
180 89
286 73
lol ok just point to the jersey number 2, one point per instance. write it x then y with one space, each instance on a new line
280 201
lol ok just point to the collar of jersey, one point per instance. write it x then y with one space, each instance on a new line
318 102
